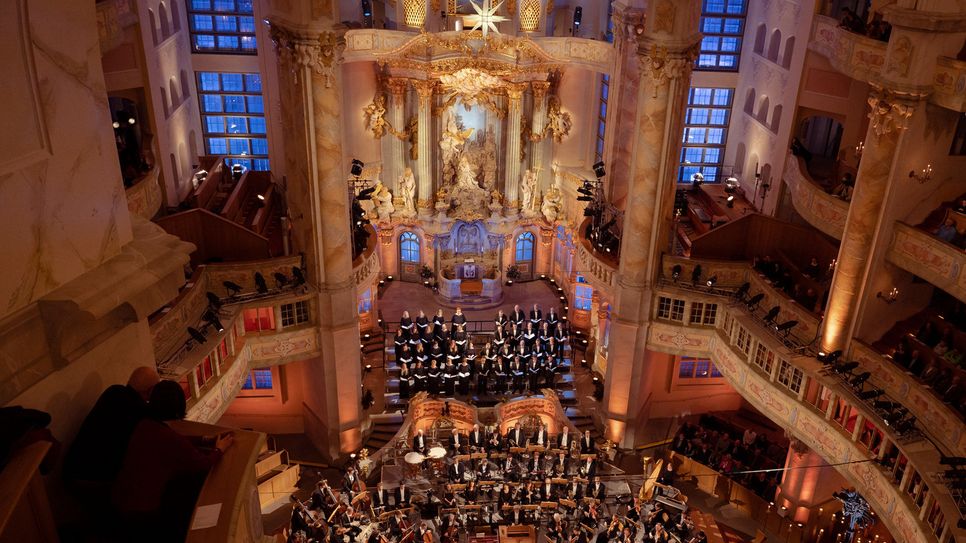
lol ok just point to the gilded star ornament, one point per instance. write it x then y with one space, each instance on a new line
486 17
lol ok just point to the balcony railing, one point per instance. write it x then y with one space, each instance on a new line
949 91
144 197
928 257
854 55
779 389
820 209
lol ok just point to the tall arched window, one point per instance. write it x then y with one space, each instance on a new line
409 247
409 256
524 255
524 247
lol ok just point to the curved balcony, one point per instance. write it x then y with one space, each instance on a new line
856 56
367 267
817 207
928 257
788 389
144 196
949 84
602 271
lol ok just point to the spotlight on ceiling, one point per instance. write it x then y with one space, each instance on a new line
676 272
280 279
753 302
356 168
742 291
213 300
599 169
261 197
845 367
366 194
858 380
711 281
772 314
116 124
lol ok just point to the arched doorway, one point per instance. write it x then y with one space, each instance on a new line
409 257
524 255
822 136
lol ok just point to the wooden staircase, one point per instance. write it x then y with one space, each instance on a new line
277 479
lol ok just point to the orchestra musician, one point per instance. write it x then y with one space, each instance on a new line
540 437
534 466
456 444
563 439
380 497
659 534
483 470
596 489
419 442
403 496
477 439
587 445
515 437
588 468
547 491
495 443
457 472
351 480
561 466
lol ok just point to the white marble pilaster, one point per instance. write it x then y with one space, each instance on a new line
512 167
397 150
539 143
424 160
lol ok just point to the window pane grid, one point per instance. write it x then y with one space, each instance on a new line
222 26
705 133
723 25
233 117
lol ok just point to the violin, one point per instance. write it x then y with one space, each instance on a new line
428 537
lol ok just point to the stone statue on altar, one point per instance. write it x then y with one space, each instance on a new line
407 186
383 199
451 144
467 198
552 204
528 192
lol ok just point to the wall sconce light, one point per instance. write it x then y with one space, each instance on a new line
923 175
889 297
859 149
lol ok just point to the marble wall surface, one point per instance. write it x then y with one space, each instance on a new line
64 206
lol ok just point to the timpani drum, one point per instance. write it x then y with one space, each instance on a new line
413 460
437 453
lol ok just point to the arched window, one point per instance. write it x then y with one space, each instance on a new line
524 247
789 51
760 39
750 102
409 247
776 118
763 110
165 21
774 45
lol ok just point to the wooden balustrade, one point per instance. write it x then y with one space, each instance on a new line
25 515
202 195
215 237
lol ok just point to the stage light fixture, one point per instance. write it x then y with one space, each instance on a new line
196 335
753 302
696 274
261 197
232 288
711 281
212 319
870 394
213 300
116 124
885 405
131 120
859 380
599 169
280 280
896 416
731 184
588 211
731 200
356 168
260 285
786 326
845 367
676 272
742 291
772 314
298 277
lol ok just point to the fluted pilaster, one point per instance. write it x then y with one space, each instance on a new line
513 159
424 159
539 123
397 148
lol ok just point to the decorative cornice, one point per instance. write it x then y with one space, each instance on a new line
663 65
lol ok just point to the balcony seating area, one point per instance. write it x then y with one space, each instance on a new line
931 345
707 208
728 447
948 222
872 26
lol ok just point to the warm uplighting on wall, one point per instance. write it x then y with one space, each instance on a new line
414 13
529 15
922 175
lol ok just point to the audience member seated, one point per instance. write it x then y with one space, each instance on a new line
947 231
162 471
95 456
844 188
727 453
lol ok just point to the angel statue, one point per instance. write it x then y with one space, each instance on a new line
383 199
376 116
528 191
552 201
451 143
407 185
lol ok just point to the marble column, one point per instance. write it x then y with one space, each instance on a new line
808 481
397 148
889 117
666 56
424 160
511 196
310 84
539 143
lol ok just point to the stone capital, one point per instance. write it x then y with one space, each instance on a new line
397 87
662 63
540 89
515 91
889 111
320 52
425 88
